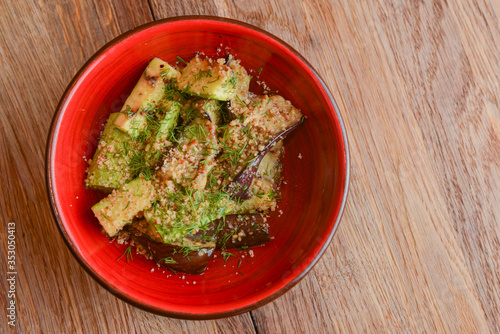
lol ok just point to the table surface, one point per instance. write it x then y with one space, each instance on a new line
417 83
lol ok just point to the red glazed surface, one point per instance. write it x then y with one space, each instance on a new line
313 198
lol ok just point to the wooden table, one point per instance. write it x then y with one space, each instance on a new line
417 83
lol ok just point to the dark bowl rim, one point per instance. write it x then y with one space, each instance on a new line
118 293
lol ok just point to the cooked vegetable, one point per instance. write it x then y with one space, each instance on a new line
190 259
121 206
238 231
241 185
209 79
148 92
109 167
193 159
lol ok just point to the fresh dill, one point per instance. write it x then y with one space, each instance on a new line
128 253
227 255
181 60
168 260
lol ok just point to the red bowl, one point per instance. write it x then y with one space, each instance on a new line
316 170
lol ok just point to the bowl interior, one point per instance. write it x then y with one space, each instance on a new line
315 171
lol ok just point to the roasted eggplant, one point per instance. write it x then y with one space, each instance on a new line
241 185
237 231
191 259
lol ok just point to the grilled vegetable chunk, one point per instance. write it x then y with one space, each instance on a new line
109 167
243 85
189 163
120 207
209 79
241 185
255 126
160 133
191 260
148 92
242 231
183 205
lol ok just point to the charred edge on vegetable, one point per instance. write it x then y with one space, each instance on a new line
240 187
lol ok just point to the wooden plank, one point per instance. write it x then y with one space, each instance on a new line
403 75
42 46
402 262
418 85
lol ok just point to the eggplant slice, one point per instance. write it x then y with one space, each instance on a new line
235 231
241 185
239 231
178 258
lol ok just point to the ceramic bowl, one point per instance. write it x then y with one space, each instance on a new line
316 170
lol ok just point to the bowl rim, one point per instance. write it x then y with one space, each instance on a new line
49 178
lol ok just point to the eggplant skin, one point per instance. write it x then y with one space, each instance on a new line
244 230
172 256
241 185
235 231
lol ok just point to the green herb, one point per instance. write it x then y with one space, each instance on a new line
127 252
181 60
231 83
239 263
203 74
226 255
260 71
107 218
164 73
168 260
240 101
128 111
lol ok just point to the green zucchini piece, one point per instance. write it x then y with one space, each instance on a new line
108 169
209 79
120 207
163 136
243 85
147 93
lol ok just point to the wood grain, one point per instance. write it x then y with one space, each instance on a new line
418 84
42 46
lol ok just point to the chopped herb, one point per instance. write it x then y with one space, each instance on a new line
181 60
168 260
127 252
260 71
240 101
226 255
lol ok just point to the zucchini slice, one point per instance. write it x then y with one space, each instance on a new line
147 93
208 78
109 167
120 207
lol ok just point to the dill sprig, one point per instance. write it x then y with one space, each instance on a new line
128 253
